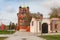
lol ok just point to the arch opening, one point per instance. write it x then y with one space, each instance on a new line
44 28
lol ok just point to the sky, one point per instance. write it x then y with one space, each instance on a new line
10 8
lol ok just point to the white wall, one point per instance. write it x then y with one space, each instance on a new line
35 27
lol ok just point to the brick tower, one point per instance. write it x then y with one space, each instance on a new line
24 18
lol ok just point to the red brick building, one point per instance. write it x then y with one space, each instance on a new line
24 18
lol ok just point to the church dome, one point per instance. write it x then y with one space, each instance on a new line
24 6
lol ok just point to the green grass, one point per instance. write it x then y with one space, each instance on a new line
6 32
51 37
2 38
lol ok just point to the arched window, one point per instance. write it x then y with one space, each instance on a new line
39 25
32 23
56 27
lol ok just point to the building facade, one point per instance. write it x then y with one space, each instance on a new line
24 19
34 22
55 25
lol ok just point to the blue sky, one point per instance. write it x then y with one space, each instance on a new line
9 8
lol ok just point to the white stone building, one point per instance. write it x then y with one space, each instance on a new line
35 25
45 25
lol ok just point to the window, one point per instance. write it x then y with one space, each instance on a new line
55 26
32 23
51 26
39 25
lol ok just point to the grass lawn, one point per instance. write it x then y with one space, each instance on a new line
2 38
6 32
51 37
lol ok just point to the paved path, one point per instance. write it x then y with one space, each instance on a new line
8 35
23 36
5 35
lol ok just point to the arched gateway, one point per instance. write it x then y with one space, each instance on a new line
44 28
45 25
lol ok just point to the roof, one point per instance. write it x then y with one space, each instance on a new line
55 19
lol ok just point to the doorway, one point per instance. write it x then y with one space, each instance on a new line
44 28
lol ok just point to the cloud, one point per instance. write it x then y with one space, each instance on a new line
45 6
51 3
11 0
10 9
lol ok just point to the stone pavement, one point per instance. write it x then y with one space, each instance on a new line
24 36
8 35
5 35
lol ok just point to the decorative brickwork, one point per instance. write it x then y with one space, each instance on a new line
24 18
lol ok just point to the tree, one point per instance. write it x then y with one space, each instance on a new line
12 26
6 27
55 13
